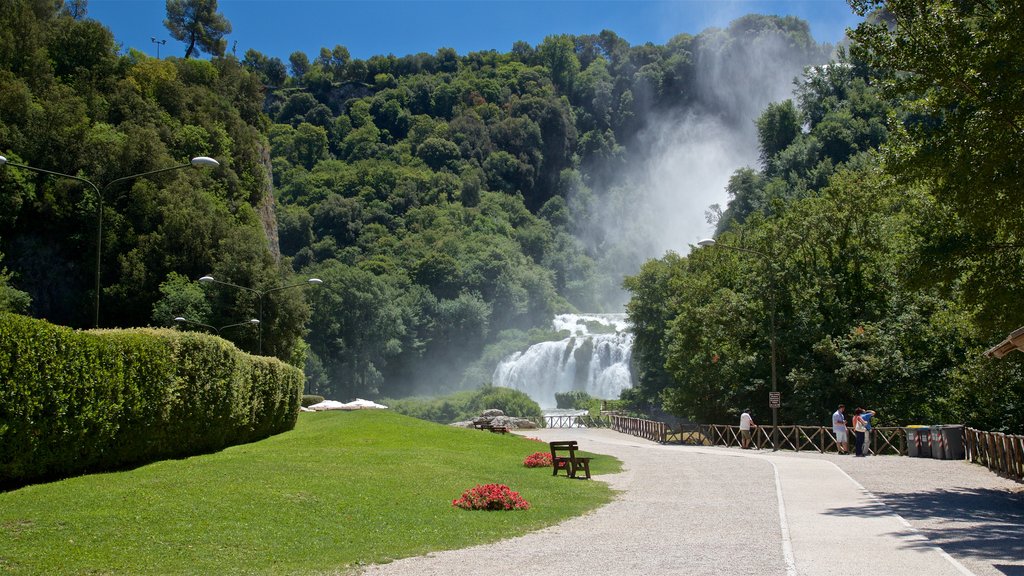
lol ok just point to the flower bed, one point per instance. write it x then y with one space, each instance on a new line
491 497
538 460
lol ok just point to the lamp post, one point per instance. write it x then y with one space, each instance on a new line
183 320
158 43
773 400
199 161
260 294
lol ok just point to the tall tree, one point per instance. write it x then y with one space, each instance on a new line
198 23
956 70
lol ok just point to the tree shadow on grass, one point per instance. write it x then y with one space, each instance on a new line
979 523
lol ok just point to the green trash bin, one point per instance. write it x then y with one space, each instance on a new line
918 441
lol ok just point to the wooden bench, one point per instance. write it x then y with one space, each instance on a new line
488 426
571 463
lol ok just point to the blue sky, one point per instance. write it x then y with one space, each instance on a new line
400 27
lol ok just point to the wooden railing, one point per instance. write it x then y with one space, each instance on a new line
565 421
649 429
797 438
1001 453
882 440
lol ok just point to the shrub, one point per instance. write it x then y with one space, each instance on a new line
538 460
491 497
577 399
310 399
511 402
466 405
74 402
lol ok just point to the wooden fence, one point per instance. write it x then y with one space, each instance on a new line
649 429
1001 453
882 440
565 421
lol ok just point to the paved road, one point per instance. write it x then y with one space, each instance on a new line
695 511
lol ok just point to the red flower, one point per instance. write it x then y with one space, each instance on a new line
491 497
538 460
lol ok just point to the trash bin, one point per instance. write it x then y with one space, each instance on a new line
918 441
952 436
938 450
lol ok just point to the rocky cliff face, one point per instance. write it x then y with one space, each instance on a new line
268 216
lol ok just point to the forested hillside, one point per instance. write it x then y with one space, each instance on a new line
878 240
450 203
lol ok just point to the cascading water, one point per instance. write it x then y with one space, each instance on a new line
594 358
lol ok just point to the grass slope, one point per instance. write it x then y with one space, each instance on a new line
343 488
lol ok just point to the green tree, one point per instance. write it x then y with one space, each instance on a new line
199 25
962 132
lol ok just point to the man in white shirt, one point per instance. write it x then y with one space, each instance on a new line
839 429
746 423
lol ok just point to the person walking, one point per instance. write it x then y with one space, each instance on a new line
746 423
858 429
839 429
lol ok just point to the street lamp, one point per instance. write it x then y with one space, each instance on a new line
158 43
183 320
260 294
774 399
199 161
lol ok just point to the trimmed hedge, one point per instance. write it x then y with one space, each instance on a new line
73 402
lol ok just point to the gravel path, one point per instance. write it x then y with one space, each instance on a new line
696 511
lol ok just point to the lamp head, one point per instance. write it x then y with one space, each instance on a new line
706 242
315 281
204 161
3 160
207 278
254 321
180 319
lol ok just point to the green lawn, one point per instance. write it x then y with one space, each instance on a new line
342 489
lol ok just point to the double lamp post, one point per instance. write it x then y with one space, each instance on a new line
773 398
260 294
198 162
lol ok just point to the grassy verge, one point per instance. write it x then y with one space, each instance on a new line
342 489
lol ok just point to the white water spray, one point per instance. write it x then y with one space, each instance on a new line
594 358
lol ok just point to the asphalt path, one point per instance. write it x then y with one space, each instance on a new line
705 510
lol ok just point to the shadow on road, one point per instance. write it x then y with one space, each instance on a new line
981 523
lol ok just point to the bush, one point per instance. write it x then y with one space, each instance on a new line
491 497
74 402
576 399
310 399
511 402
466 405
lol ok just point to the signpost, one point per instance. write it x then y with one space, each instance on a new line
774 399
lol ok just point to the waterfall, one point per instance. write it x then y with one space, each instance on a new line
594 358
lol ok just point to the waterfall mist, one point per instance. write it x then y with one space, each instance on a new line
681 161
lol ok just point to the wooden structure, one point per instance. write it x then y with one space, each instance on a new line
486 425
567 421
571 463
883 440
1001 453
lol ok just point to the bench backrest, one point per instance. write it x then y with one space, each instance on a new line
565 445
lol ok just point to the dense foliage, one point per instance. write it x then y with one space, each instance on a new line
75 402
876 243
450 203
